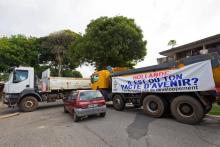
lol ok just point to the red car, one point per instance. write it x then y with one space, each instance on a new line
83 103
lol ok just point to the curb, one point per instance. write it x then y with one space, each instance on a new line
9 115
213 116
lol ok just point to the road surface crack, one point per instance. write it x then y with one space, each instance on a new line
97 135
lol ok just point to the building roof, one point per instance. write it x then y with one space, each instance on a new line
192 45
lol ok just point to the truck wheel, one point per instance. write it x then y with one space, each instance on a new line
28 104
75 117
118 102
187 109
154 106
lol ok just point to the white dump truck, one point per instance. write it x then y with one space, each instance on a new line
26 91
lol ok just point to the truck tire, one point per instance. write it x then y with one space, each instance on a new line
154 106
28 104
187 109
118 102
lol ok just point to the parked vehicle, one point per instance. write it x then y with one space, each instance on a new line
187 104
83 103
25 90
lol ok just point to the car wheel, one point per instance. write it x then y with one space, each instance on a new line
75 117
64 109
102 114
118 102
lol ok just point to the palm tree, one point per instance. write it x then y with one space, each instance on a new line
59 52
172 43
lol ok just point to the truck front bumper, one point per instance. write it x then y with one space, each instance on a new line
10 99
90 111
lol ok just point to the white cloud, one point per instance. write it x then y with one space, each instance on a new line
160 20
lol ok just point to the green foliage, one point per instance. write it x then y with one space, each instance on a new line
4 76
115 41
54 72
39 69
215 109
17 50
172 43
51 51
72 73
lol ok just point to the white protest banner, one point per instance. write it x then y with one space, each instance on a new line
194 77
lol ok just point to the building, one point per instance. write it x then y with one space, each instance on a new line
206 45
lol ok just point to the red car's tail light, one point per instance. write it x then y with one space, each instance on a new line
82 105
101 102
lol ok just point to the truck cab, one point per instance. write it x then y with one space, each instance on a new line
100 80
20 79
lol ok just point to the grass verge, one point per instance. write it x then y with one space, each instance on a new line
215 110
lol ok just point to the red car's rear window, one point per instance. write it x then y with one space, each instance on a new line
89 95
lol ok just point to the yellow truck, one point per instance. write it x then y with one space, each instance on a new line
187 88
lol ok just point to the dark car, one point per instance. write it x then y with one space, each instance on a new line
83 103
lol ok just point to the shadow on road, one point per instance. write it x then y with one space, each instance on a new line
206 122
49 106
8 110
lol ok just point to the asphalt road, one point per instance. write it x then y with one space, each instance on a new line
50 127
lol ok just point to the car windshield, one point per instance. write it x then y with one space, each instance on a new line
88 95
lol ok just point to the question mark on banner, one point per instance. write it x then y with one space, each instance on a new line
195 80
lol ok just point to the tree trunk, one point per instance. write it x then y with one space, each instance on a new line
59 65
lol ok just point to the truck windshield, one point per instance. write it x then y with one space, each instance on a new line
20 75
94 78
88 95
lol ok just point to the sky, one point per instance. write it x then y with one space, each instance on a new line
161 20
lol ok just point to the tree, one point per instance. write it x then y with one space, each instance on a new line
54 49
17 50
72 73
172 43
115 41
